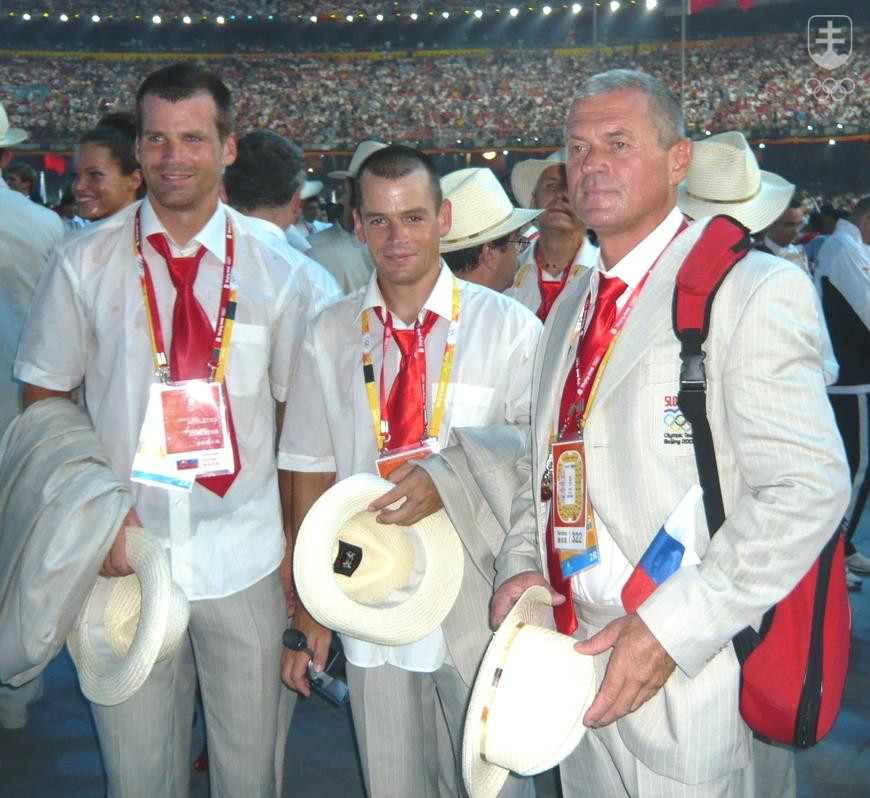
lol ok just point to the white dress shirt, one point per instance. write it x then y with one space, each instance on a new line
328 290
89 324
844 259
525 288
28 234
308 229
296 240
793 253
602 584
342 256
328 426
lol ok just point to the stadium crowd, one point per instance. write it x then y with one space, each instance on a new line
483 98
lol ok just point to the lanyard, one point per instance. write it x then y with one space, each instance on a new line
381 424
226 311
597 363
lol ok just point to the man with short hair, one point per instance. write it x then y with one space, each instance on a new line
329 435
562 248
336 248
779 238
310 222
264 183
28 235
484 238
91 325
843 280
665 721
22 177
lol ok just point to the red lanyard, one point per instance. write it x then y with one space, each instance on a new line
227 304
566 272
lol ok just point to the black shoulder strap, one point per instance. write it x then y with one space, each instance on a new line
723 243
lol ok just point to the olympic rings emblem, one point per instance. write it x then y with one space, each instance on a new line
675 421
830 89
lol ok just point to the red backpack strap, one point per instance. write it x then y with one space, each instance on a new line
723 242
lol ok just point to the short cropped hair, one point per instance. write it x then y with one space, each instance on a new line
267 172
183 80
397 161
666 113
463 261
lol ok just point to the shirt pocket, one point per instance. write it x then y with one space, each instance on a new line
671 431
249 358
470 405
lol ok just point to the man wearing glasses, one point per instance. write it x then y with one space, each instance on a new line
485 240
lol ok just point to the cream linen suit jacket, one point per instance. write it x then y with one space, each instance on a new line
781 464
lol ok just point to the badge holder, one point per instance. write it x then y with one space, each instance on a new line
573 525
390 461
185 435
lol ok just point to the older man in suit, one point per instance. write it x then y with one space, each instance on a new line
665 721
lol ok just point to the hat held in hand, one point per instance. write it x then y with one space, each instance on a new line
382 583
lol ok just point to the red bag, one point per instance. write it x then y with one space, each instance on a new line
793 669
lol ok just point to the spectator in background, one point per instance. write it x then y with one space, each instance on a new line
311 223
485 235
843 279
779 238
67 209
22 177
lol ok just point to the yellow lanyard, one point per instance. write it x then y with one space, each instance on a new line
381 431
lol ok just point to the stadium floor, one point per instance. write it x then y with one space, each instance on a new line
56 754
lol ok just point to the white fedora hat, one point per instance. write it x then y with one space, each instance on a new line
382 583
9 136
525 174
362 152
526 709
482 211
310 188
724 178
127 624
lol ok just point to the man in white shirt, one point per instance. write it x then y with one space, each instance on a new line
665 722
337 248
264 183
28 234
843 280
779 239
309 222
329 435
224 536
562 248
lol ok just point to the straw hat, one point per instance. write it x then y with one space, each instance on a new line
724 178
482 211
526 709
310 188
127 624
362 152
525 175
9 136
382 583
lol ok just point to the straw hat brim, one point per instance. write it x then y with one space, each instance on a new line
14 135
163 618
396 625
484 779
517 219
756 214
525 175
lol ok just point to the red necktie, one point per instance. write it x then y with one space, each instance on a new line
597 337
550 290
192 342
405 404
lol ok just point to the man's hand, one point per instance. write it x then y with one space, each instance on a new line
417 488
294 666
116 563
507 595
637 669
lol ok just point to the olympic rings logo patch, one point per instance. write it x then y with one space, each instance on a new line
830 89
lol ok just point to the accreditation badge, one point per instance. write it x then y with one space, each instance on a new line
392 460
185 435
573 526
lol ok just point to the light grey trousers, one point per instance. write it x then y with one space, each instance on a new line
397 724
233 647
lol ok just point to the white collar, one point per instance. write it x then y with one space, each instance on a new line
849 229
270 228
632 267
776 249
439 301
212 236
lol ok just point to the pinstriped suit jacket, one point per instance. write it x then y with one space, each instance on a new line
782 468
